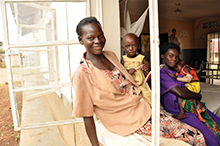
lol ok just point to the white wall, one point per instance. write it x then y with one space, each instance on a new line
111 26
110 20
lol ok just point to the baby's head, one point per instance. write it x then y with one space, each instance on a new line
130 44
179 66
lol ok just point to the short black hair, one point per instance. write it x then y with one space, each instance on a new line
173 29
87 20
165 47
132 34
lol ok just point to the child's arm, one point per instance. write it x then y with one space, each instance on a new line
185 79
146 68
90 130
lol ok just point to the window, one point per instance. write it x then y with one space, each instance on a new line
39 48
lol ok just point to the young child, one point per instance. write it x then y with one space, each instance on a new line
136 65
190 77
191 81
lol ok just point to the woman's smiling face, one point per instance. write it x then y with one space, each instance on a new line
92 38
171 57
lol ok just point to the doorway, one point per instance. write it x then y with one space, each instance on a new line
213 60
213 48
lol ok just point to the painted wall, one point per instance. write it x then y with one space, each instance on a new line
111 26
182 27
200 33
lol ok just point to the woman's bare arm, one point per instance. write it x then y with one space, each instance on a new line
90 130
185 93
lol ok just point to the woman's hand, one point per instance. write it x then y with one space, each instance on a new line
90 130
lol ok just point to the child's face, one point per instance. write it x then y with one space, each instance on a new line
179 66
92 38
130 45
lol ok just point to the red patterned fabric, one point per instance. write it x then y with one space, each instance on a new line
124 84
170 128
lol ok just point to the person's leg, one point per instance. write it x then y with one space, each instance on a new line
181 114
192 120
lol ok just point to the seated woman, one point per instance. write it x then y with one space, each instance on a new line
104 87
171 89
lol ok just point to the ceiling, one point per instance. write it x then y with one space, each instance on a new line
193 9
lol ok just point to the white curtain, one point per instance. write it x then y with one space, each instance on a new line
135 27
